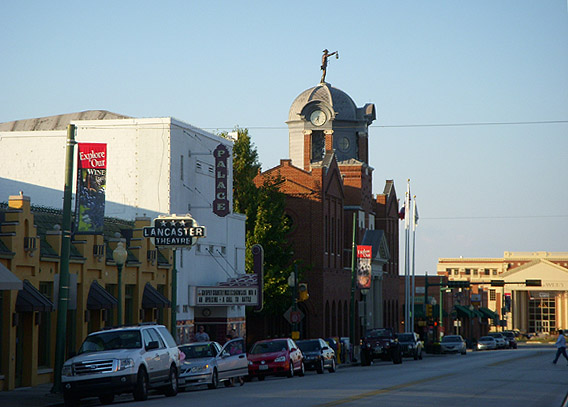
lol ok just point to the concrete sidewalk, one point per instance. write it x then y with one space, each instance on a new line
38 396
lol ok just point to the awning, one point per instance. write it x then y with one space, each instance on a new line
30 300
153 299
468 313
99 298
488 313
464 311
8 281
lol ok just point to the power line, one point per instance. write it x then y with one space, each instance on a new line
493 217
466 124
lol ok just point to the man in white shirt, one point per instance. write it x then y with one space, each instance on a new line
560 346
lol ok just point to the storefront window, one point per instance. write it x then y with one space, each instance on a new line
44 340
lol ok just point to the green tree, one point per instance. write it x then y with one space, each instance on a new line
266 224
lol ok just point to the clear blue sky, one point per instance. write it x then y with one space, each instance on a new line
481 189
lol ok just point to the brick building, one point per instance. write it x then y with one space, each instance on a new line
328 183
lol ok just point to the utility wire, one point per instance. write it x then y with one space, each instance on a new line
467 124
493 217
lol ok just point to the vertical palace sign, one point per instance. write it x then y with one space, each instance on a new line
221 202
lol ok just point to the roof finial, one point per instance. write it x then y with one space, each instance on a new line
324 57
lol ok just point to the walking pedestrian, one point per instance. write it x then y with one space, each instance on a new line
560 346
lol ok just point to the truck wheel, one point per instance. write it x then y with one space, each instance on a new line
365 359
396 356
140 392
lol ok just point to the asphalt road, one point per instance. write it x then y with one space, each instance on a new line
523 377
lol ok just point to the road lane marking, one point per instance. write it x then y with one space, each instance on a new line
382 391
502 362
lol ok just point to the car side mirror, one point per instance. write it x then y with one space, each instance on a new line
293 350
152 345
325 348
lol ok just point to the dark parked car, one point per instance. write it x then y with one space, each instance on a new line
510 338
318 355
380 343
410 345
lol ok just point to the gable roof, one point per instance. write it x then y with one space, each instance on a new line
553 276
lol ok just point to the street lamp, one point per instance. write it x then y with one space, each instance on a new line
119 255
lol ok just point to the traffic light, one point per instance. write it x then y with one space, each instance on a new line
428 310
458 284
533 283
303 292
508 302
497 283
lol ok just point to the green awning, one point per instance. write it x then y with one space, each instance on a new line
464 311
488 313
468 313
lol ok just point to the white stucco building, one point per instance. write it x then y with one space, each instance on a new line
156 166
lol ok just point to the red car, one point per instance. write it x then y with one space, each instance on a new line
279 356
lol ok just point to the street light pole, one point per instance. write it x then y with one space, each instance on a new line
352 314
63 300
119 256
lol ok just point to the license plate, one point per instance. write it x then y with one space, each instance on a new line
263 367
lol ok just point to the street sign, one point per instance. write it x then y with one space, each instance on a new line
175 231
293 317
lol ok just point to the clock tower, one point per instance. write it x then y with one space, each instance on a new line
325 118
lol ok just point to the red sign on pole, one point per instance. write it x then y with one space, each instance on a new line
364 255
91 185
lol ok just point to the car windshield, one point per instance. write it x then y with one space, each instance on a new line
379 333
268 347
197 351
309 346
508 334
405 337
487 338
451 339
127 339
496 335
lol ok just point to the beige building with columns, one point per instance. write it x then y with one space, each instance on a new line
520 305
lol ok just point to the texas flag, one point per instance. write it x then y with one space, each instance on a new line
401 213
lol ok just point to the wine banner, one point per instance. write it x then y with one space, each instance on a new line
91 185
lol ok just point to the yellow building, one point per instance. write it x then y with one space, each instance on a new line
30 248
510 283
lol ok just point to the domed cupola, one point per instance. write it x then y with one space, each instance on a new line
324 116
339 104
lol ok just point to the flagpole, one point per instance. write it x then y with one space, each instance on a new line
414 217
406 258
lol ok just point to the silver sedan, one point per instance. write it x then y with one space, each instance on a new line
207 363
453 344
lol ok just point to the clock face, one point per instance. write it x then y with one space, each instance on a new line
344 144
318 117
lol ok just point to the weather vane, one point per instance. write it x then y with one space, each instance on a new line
324 57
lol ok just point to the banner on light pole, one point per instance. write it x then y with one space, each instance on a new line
364 255
91 186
